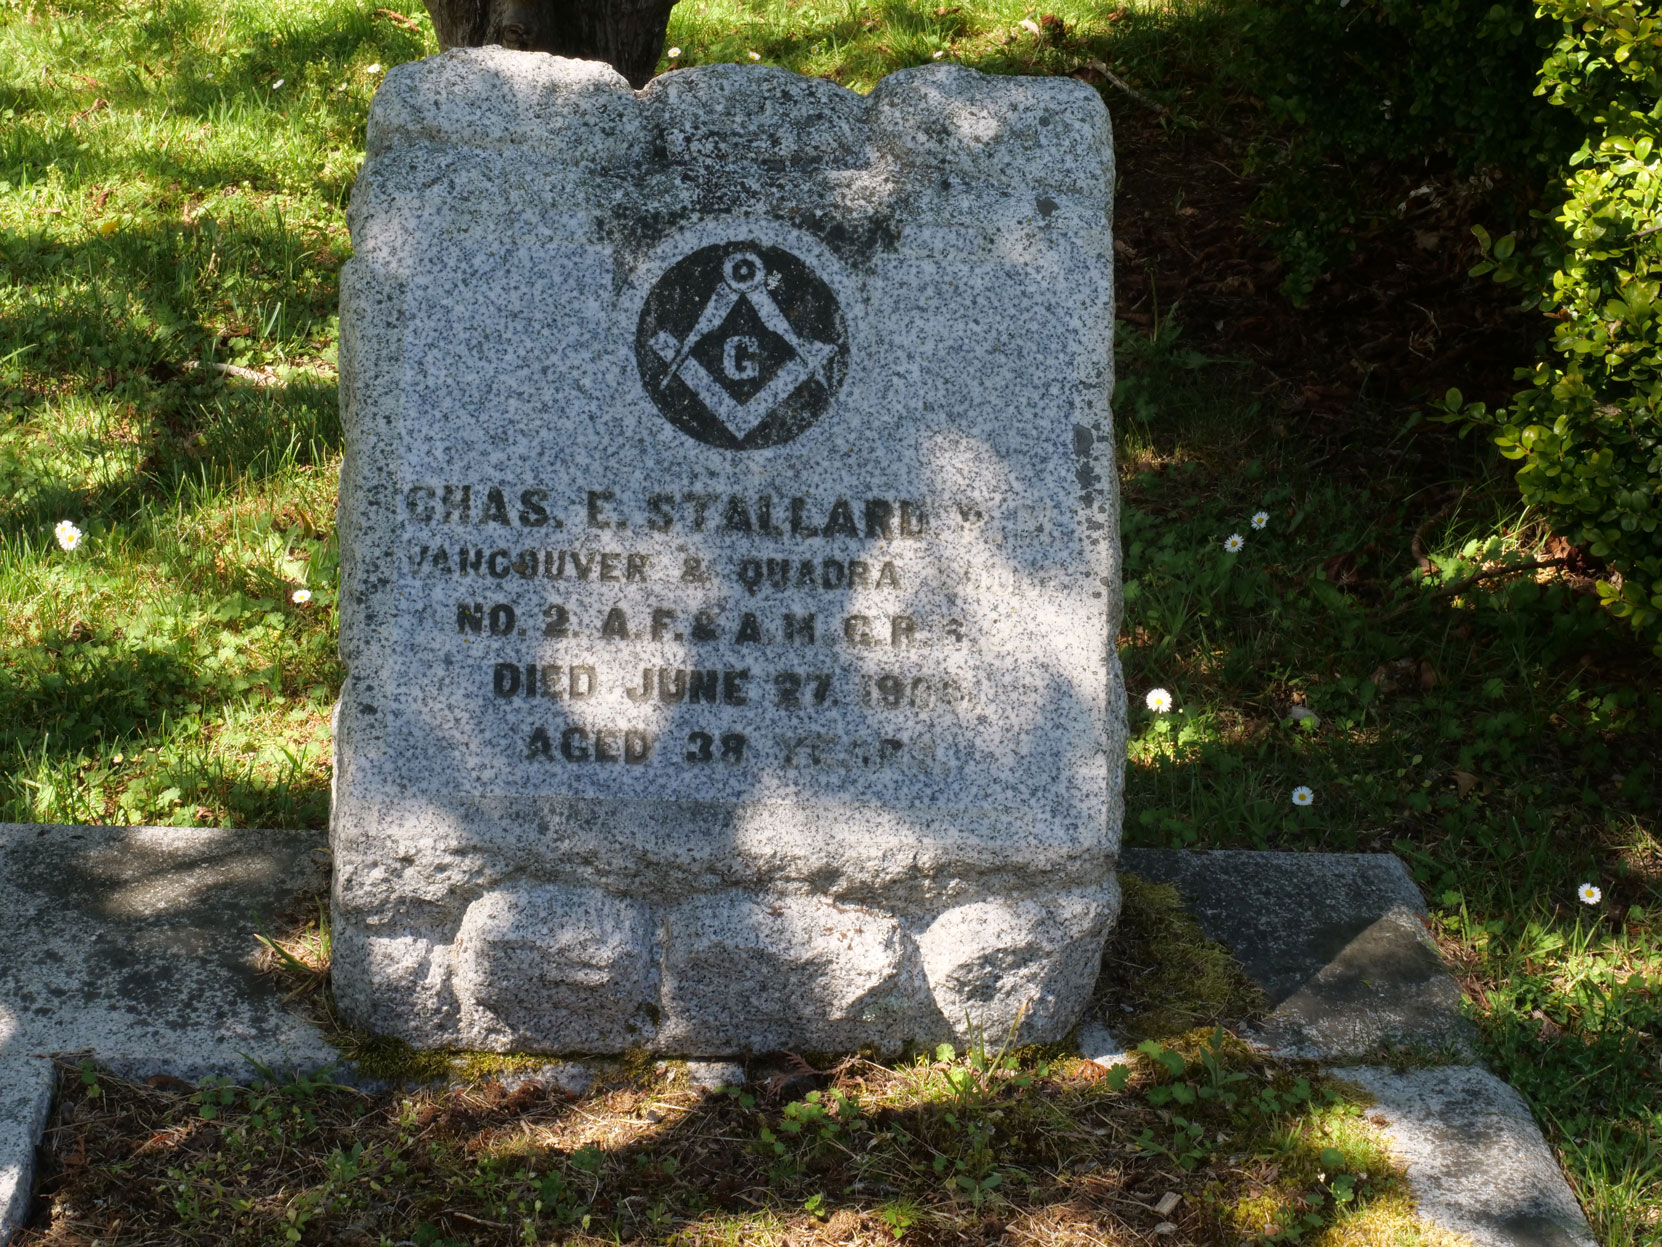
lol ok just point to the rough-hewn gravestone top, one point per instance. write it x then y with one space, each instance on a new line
730 559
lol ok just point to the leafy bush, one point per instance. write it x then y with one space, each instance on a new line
1365 86
1589 429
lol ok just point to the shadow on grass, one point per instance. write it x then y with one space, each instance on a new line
857 44
1505 741
296 49
120 356
208 437
488 1166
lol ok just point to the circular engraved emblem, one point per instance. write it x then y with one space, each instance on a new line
742 345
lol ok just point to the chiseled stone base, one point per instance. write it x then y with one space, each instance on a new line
556 968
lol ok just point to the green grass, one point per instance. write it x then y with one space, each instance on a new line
1504 741
172 185
856 43
173 178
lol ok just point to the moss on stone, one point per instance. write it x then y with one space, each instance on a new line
1161 976
386 1059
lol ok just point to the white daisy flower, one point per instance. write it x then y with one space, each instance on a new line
1260 518
1589 894
1234 542
1303 796
1158 700
940 54
276 85
300 596
68 535
673 53
755 56
373 69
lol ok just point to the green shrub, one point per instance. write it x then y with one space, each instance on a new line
1368 93
1589 429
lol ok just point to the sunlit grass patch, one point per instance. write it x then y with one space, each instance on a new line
856 42
173 679
1616 1168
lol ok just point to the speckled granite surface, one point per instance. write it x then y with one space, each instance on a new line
26 1084
730 559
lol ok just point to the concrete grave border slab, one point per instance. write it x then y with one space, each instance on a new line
137 944
25 1101
1476 1159
1337 942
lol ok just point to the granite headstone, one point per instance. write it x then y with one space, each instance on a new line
730 565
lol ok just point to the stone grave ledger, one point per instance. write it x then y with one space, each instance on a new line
730 560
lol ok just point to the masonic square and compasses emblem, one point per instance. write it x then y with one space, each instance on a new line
741 345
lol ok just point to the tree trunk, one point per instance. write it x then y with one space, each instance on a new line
627 34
